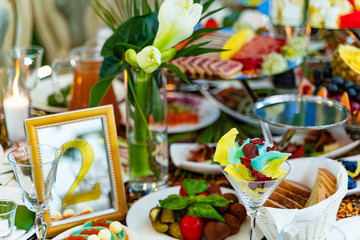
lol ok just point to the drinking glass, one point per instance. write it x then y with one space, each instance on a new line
7 217
254 194
36 179
30 60
311 230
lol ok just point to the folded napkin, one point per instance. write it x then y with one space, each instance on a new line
24 218
304 170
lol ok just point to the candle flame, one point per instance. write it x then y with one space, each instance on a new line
288 31
15 86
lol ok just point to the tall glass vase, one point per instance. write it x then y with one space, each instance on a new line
146 129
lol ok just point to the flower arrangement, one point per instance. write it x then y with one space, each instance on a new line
141 47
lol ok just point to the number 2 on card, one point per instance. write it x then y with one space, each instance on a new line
87 155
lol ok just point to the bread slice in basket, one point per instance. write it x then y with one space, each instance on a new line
291 194
324 187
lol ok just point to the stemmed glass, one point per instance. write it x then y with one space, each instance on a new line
36 179
30 60
254 194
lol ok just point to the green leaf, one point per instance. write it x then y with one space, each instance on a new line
200 51
136 31
213 200
187 51
98 92
211 13
111 66
194 186
174 202
157 103
177 71
122 46
200 33
204 210
230 19
207 5
52 100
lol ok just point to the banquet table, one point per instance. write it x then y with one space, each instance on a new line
350 206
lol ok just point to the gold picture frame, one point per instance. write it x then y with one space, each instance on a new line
89 183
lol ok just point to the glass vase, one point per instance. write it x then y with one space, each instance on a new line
146 129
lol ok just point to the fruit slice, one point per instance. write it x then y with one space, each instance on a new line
236 42
323 92
345 100
346 63
305 87
358 118
223 146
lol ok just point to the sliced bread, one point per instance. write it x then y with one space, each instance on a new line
289 194
296 188
324 187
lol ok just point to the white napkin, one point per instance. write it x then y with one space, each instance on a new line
17 233
304 171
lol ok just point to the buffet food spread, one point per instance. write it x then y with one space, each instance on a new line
221 185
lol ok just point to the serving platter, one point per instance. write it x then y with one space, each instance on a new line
138 217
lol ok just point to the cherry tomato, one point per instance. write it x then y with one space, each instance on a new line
202 194
191 227
182 191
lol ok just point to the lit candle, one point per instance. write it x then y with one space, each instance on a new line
16 107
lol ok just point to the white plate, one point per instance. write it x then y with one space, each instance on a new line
7 179
40 94
179 152
208 114
350 227
12 193
130 233
138 217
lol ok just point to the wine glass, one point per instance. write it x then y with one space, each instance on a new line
30 61
36 180
253 194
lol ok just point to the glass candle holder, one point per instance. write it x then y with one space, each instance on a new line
16 107
7 218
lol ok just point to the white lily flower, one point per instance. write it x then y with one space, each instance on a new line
177 19
149 59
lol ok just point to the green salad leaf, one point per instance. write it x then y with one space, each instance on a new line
204 210
195 186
